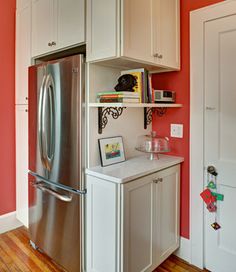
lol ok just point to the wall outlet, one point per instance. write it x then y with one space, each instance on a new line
176 130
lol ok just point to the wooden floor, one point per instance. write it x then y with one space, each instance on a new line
17 255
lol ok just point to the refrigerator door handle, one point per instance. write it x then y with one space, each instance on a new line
65 198
40 121
49 122
58 185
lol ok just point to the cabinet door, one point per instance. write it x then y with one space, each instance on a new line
22 164
168 212
102 225
137 30
139 224
70 22
42 27
103 27
21 4
23 53
166 32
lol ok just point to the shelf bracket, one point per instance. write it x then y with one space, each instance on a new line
104 112
148 114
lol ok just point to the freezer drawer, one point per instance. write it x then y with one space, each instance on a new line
55 223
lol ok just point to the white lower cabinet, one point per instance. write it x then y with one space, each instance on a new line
132 227
22 163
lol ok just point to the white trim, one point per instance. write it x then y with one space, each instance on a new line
197 20
184 250
9 222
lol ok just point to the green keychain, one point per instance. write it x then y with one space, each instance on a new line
219 197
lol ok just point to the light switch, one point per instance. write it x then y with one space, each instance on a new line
176 130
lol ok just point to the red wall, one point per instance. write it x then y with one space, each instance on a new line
180 82
7 112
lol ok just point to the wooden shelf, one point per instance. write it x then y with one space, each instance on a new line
134 105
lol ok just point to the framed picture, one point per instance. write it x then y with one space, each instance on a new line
111 150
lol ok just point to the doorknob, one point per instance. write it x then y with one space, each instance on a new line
212 170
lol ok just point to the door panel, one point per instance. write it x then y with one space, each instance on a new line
140 227
168 44
71 22
42 26
220 147
58 126
22 164
102 29
54 225
137 28
168 212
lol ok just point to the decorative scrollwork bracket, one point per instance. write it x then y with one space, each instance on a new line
148 114
103 113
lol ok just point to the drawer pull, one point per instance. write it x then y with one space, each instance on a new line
157 180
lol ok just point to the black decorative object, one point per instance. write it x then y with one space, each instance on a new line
148 114
103 114
126 83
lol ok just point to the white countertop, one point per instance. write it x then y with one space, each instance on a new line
133 168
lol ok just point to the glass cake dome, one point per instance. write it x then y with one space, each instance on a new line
153 145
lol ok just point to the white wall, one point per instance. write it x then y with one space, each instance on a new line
129 125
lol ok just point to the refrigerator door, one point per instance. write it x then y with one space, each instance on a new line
56 127
55 217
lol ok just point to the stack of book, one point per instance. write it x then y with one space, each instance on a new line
118 97
144 84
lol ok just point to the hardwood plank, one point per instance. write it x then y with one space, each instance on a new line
16 255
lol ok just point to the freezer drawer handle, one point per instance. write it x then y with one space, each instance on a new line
44 188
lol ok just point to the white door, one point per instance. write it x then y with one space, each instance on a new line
70 22
42 27
23 53
168 191
220 144
22 164
140 228
137 29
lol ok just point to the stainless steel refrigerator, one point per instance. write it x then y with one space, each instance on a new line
56 142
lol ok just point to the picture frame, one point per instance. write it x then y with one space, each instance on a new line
111 150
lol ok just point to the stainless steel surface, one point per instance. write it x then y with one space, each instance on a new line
57 137
56 120
55 226
63 187
40 185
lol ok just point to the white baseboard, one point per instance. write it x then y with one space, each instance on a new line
9 222
184 250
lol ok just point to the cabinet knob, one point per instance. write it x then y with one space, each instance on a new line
157 180
54 43
49 44
26 110
26 98
159 56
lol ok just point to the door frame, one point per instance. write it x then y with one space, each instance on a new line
198 18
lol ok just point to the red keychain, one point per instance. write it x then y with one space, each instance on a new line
208 197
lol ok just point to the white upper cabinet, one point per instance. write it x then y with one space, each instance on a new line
23 50
42 27
167 33
70 22
142 31
57 24
137 29
102 29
